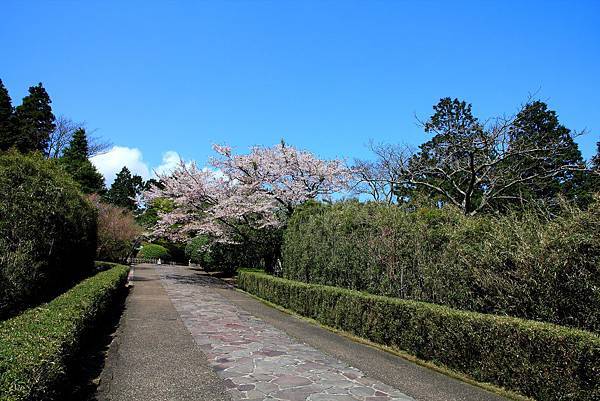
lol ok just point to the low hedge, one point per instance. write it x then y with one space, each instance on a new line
102 265
153 251
540 360
37 347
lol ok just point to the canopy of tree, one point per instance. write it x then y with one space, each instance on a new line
481 167
125 189
26 128
76 163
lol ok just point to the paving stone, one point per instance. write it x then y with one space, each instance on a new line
257 361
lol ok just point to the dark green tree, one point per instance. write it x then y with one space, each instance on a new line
78 148
75 161
7 127
593 176
34 121
538 127
490 166
125 189
443 168
596 159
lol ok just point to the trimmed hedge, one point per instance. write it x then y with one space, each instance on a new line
36 347
153 251
47 232
540 360
102 265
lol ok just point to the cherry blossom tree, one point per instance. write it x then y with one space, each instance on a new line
257 190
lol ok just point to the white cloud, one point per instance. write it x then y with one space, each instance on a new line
217 172
170 160
111 162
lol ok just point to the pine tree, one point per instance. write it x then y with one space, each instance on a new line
34 121
75 161
7 128
125 189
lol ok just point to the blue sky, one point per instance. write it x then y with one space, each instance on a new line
325 75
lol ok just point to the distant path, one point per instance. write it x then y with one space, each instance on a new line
264 354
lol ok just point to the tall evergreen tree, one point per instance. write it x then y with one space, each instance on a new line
34 121
78 148
75 161
594 173
125 189
7 128
539 127
596 159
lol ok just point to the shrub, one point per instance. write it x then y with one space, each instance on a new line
198 250
540 360
37 347
254 247
523 265
47 231
117 231
153 251
176 249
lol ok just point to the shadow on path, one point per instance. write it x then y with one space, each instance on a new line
153 357
89 363
196 278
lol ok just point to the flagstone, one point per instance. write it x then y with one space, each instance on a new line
259 362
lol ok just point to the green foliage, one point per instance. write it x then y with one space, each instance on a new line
125 189
255 247
519 265
149 217
593 182
38 346
7 127
491 166
154 251
47 231
78 148
176 249
198 251
540 360
87 176
34 121
76 163
536 126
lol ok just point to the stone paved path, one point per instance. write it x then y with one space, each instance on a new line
153 357
258 361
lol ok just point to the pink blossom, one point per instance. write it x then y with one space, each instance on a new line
261 188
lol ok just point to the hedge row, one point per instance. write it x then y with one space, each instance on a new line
540 360
523 265
37 347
